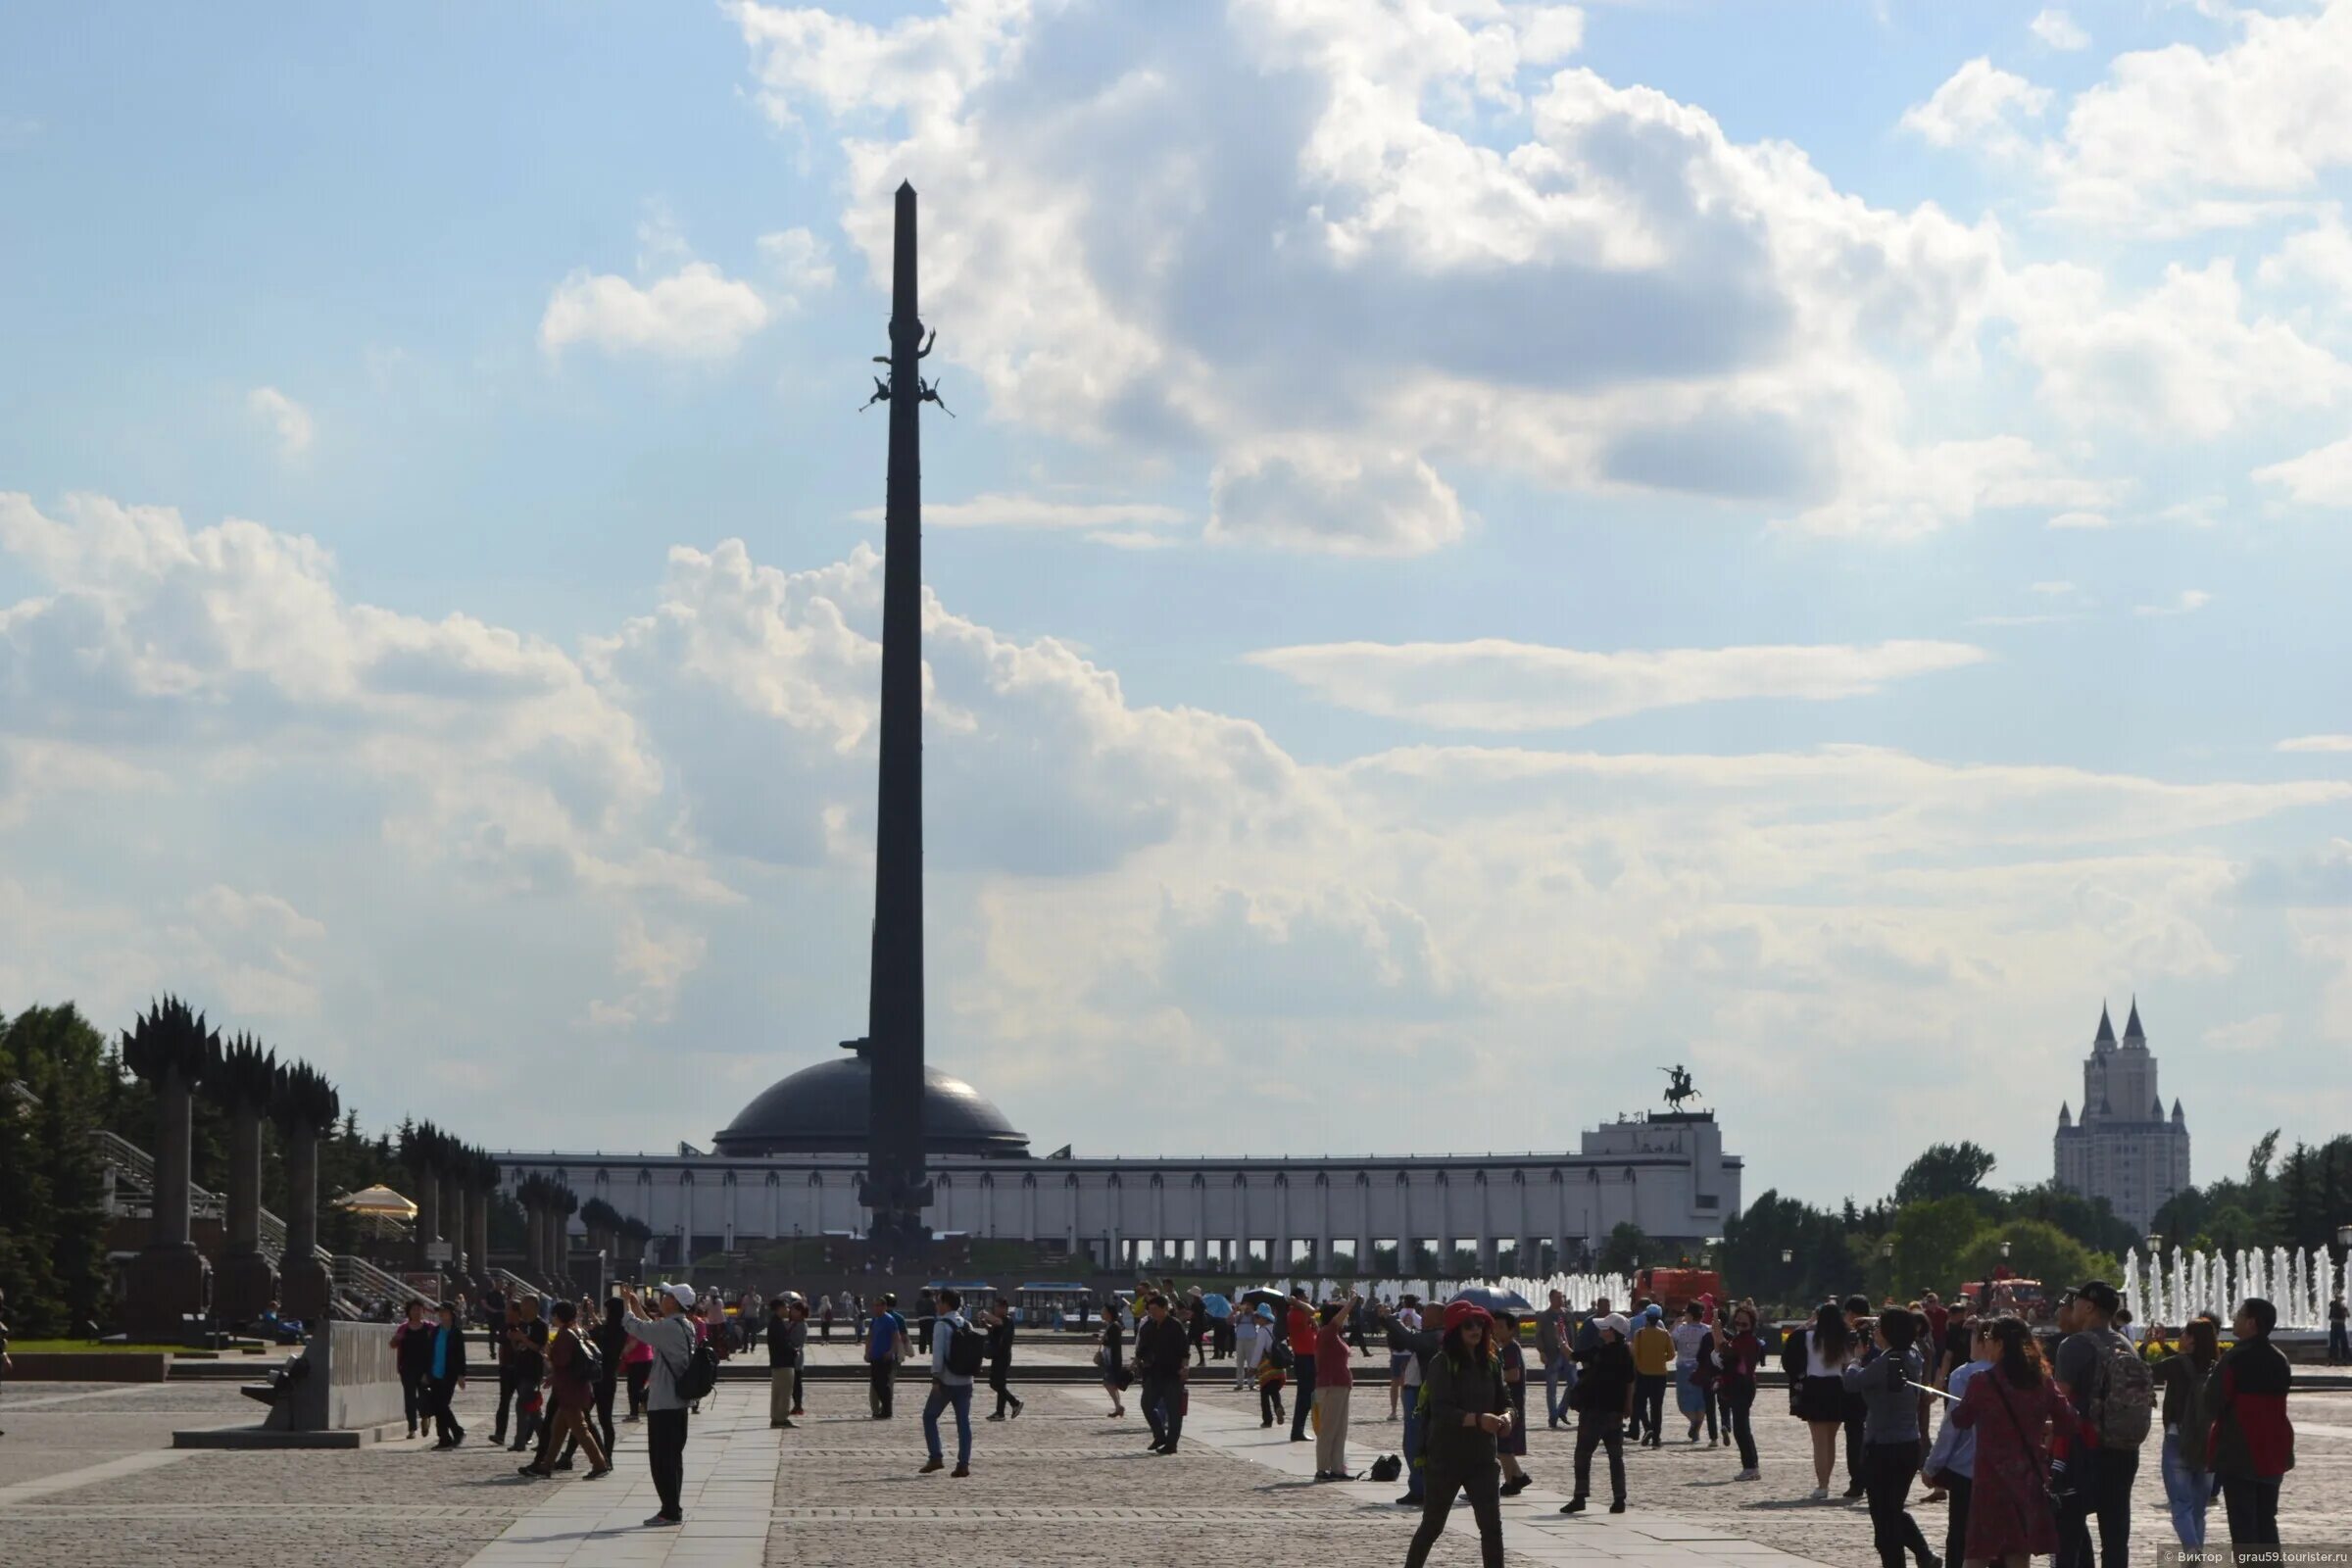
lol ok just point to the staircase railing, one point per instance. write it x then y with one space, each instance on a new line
131 1169
358 1274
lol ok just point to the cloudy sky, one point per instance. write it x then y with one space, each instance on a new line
1484 549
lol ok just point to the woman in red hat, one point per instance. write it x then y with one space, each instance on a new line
1466 1412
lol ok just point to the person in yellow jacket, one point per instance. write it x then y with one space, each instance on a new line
1653 1370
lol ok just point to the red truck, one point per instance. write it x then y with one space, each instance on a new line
1675 1287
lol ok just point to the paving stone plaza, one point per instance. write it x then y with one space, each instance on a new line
89 1477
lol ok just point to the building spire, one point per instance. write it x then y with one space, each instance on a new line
2106 1034
2131 1030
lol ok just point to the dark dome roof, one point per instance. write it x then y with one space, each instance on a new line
822 1109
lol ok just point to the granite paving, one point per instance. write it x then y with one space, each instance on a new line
87 1477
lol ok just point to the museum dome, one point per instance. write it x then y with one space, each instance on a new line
822 1111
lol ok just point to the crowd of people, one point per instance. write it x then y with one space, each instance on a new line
2029 1455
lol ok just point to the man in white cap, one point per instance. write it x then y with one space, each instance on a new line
670 1333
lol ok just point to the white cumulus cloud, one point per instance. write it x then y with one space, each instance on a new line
2320 477
1979 103
1279 248
1497 685
2058 30
288 421
696 313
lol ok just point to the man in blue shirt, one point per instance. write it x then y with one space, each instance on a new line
885 1348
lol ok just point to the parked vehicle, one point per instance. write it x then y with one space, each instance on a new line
1675 1287
1056 1304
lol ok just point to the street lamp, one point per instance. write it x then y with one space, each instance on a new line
2155 1244
2343 1237
1788 1255
2004 1252
1886 1252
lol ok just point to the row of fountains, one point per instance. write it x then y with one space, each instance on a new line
2174 1288
2160 1289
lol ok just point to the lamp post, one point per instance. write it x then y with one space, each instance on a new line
2004 1252
1788 1255
2343 1237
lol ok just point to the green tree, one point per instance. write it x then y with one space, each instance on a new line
2037 1250
2088 1220
1930 1239
1944 1170
1625 1247
52 1211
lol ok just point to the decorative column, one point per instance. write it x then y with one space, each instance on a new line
303 1105
478 1215
560 1234
246 1283
420 1152
173 1049
453 1208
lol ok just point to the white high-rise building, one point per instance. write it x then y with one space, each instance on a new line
2125 1148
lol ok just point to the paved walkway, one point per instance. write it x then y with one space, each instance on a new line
729 1493
87 1480
1534 1531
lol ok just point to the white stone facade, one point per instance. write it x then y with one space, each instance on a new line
2126 1148
1526 1213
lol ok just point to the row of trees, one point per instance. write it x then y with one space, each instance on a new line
2290 1201
74 1082
1945 1226
1941 1227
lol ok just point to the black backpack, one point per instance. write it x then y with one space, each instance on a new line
1386 1468
701 1375
587 1361
967 1350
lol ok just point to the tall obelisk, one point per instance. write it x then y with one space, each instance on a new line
895 1191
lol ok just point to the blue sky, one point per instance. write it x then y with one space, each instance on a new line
1509 544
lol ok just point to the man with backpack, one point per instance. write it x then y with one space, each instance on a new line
573 1367
2114 1395
683 1372
958 1352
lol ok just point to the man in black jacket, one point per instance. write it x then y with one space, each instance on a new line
783 1362
413 1353
1162 1353
1000 1359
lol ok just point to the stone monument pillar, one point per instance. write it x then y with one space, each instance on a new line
895 1187
453 1205
173 1049
247 1280
303 1104
478 1215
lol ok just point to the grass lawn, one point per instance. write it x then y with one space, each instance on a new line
81 1347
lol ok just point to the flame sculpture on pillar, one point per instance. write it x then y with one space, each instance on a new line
247 1279
174 1051
305 1106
